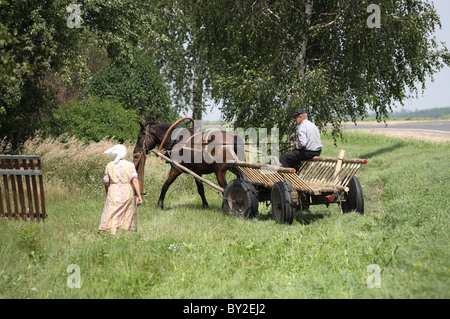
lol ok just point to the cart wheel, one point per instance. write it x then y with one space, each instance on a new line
282 206
355 199
240 199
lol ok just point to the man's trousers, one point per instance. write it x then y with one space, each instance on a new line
293 159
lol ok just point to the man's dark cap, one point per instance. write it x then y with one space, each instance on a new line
301 111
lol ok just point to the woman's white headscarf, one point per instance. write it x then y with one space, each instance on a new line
119 151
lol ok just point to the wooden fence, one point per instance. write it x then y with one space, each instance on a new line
22 187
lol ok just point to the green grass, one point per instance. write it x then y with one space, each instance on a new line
187 252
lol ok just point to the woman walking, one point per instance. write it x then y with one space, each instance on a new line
121 184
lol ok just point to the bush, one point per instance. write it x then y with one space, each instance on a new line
137 85
92 119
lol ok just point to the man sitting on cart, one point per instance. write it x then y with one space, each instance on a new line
308 144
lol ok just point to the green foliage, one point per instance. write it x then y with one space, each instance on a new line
10 70
35 41
181 54
271 58
260 60
92 119
138 86
30 240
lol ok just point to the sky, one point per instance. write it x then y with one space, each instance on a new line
437 92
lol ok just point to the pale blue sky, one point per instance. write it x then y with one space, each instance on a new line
436 94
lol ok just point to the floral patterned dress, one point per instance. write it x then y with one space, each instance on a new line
120 206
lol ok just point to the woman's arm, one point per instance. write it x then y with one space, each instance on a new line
137 189
106 178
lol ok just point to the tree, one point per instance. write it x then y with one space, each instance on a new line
39 37
35 27
10 70
182 52
138 85
273 57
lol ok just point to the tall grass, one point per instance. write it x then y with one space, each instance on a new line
187 252
72 165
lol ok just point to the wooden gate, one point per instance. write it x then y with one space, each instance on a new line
20 194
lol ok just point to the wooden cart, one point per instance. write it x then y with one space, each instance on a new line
321 180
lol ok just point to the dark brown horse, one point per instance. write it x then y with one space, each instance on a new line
201 152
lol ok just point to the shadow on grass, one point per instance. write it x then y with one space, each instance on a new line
175 206
383 150
303 217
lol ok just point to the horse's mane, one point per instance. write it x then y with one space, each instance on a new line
160 124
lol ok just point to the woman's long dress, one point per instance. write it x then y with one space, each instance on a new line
120 206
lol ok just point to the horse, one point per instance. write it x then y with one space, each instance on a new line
220 146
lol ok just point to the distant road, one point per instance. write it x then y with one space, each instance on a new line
441 127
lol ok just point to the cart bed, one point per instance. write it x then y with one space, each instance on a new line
315 176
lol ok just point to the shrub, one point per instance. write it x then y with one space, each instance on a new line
92 119
137 85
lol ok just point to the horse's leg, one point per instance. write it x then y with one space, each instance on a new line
230 154
173 174
220 174
201 192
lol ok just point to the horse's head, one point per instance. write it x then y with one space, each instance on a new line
146 140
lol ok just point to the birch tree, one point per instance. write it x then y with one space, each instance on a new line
339 59
182 53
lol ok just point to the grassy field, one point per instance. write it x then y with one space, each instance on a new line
187 252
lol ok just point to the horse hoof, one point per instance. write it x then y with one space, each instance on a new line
160 206
205 206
